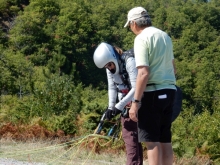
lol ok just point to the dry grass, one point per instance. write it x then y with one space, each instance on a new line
35 144
54 152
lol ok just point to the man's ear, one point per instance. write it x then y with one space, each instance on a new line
135 24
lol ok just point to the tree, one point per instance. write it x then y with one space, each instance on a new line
34 29
16 73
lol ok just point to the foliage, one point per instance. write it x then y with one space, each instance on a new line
57 105
16 73
94 105
8 106
33 30
9 9
196 135
49 77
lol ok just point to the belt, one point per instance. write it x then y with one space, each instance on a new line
151 84
157 84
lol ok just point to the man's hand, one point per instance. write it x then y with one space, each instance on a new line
111 113
133 111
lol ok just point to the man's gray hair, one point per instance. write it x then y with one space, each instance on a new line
143 21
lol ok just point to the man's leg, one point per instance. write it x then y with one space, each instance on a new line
167 153
159 153
154 153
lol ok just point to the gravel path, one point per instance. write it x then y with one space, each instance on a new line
16 162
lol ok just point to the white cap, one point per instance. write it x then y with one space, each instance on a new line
136 13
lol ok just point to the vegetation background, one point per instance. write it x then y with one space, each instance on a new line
48 77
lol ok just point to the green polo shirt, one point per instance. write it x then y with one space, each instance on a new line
154 48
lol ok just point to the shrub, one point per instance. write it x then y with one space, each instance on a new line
197 134
94 103
57 103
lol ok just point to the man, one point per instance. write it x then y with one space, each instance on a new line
121 75
155 86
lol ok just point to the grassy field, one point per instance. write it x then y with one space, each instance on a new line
36 144
56 152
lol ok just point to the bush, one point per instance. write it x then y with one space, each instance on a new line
95 103
57 104
197 134
8 112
